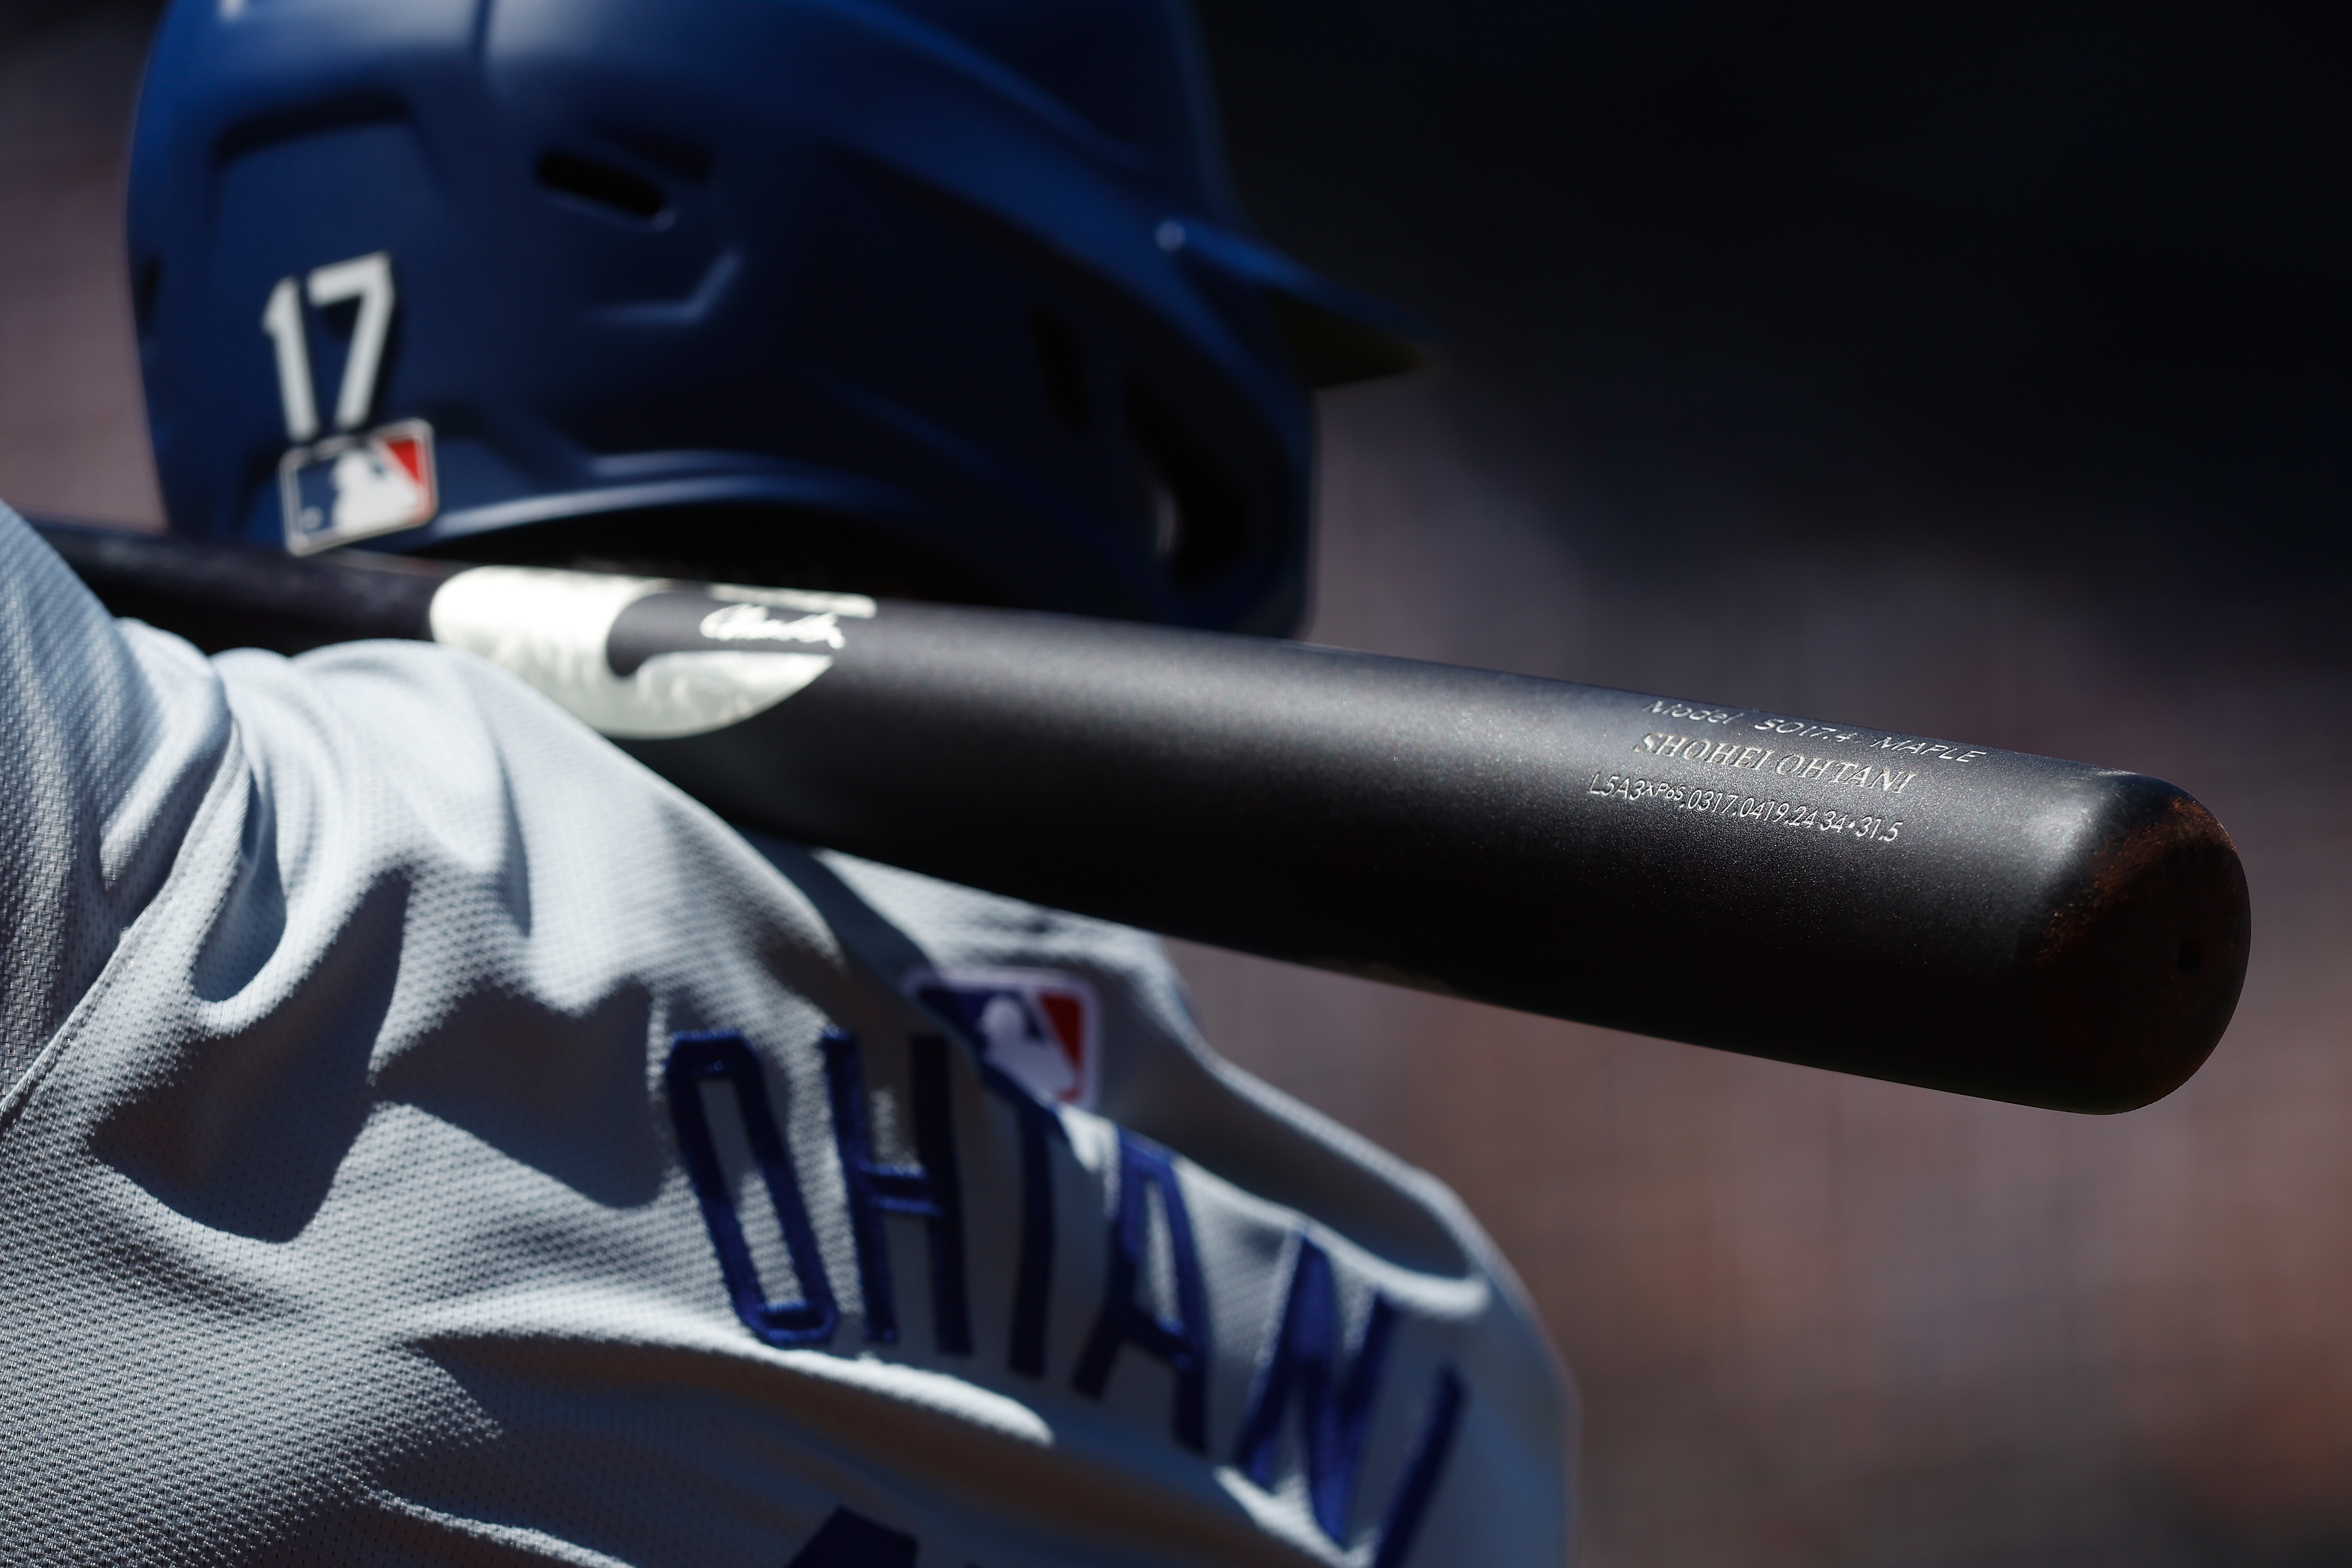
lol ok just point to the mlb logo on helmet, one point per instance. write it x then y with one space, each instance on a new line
354 486
1038 1027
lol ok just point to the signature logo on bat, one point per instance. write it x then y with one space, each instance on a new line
752 623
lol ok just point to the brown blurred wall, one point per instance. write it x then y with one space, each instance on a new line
1815 1321
73 433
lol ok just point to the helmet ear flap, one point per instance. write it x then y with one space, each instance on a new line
1062 370
1201 523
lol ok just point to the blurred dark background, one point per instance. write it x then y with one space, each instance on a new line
1738 264
1966 372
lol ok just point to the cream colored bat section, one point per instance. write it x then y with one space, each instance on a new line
549 628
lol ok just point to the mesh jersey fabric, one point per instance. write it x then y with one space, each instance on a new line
345 1219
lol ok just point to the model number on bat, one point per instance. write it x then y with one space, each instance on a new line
1789 814
1674 710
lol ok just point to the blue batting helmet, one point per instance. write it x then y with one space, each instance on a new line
943 297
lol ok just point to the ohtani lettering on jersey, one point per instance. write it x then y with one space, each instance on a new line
1306 1367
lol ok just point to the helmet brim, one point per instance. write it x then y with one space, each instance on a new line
1336 335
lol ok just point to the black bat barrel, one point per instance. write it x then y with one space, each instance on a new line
1893 905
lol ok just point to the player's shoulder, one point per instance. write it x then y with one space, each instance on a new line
417 698
435 745
1057 1000
1094 1013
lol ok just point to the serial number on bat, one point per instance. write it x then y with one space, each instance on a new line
1755 810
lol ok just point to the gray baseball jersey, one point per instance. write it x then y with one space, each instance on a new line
427 1137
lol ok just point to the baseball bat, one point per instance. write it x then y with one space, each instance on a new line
1901 907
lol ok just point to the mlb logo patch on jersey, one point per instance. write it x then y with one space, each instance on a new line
356 487
1038 1027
